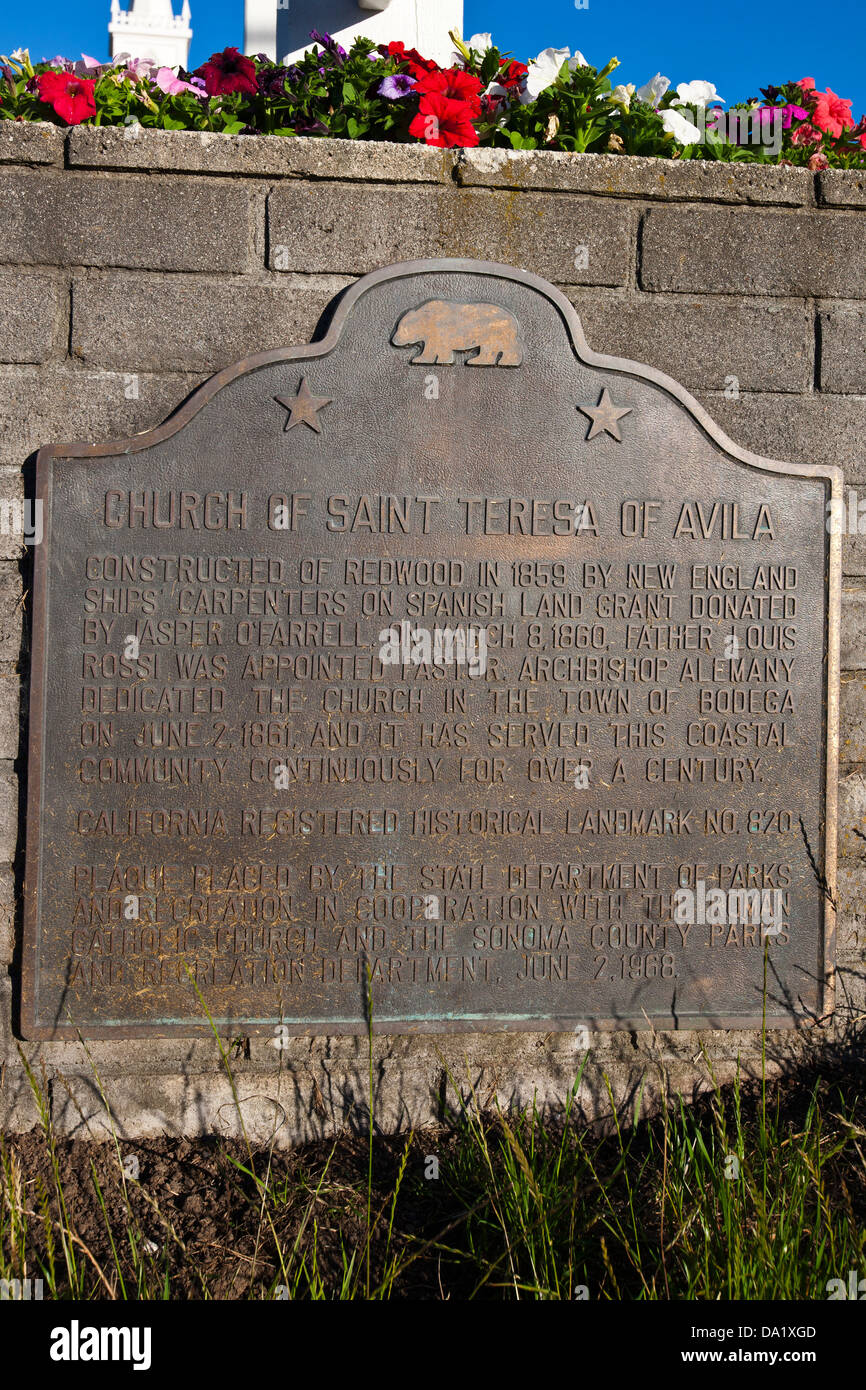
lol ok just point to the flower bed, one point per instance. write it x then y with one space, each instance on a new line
557 101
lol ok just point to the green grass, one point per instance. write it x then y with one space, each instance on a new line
755 1191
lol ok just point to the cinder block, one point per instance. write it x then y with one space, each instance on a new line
7 914
136 220
762 346
843 350
191 323
671 180
31 142
852 815
65 404
350 230
842 188
853 630
15 517
851 916
740 251
797 429
850 997
854 552
852 719
260 156
11 601
9 828
10 694
33 315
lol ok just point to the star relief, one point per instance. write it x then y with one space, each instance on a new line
605 416
304 407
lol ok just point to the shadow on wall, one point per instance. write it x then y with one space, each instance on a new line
322 1088
295 21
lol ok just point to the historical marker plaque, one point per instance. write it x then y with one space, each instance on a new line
442 649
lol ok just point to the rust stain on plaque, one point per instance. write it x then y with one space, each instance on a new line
515 689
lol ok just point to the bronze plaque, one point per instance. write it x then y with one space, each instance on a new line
441 670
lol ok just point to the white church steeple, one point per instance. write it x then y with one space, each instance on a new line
151 30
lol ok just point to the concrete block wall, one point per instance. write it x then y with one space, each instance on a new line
134 264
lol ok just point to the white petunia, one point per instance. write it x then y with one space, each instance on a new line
578 61
480 42
653 91
543 72
622 95
682 130
696 93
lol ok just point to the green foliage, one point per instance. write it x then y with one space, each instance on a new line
330 92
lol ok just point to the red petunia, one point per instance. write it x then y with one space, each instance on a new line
228 72
831 113
70 96
444 122
511 73
453 83
417 65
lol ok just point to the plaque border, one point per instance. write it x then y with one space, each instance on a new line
336 315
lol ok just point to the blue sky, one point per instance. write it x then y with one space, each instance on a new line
738 44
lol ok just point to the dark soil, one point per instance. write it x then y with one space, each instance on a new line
205 1219
196 1202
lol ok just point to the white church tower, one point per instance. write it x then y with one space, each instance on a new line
151 30
282 30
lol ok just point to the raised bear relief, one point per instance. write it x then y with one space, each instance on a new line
489 333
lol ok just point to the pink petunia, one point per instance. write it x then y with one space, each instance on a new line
167 81
806 135
135 69
831 113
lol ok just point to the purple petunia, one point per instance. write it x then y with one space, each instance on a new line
797 113
328 43
396 87
307 125
789 113
271 80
